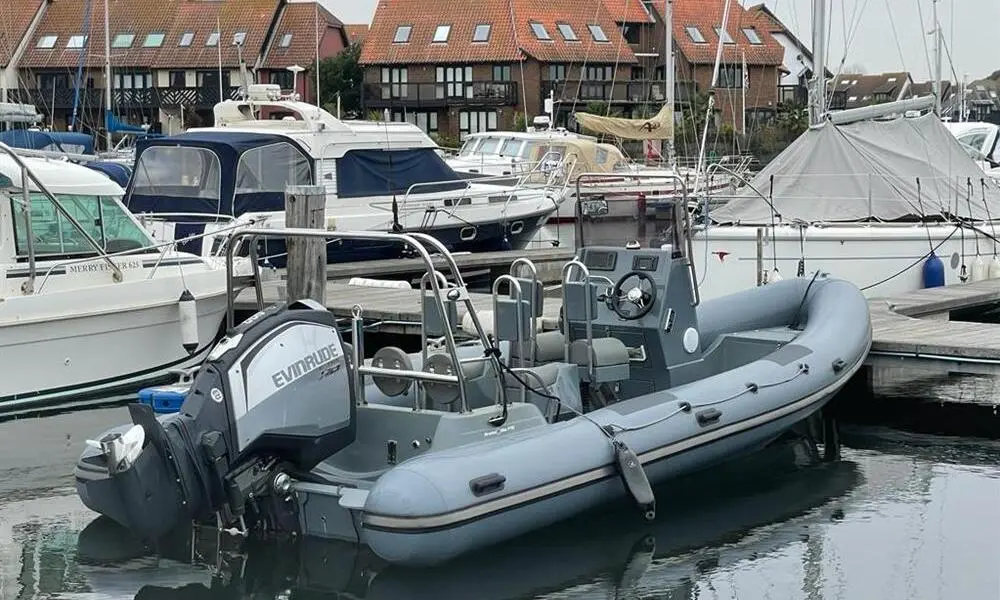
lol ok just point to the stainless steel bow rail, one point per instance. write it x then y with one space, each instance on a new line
443 296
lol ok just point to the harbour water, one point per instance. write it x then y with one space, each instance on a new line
903 515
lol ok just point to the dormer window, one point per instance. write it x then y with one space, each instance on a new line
481 33
598 33
402 34
540 32
76 41
695 34
752 36
724 36
566 31
441 34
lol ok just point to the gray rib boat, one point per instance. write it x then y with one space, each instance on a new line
427 456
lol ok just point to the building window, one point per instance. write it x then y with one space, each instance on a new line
76 41
557 72
598 33
186 39
724 36
427 121
178 79
540 31
394 82
481 33
153 40
695 34
631 33
123 40
47 41
46 81
402 34
566 31
595 91
213 39
286 40
730 76
453 82
282 79
476 121
210 80
133 81
239 37
752 36
441 34
501 72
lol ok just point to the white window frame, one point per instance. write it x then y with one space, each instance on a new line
597 32
441 34
394 82
47 42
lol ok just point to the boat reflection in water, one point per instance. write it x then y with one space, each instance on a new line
768 502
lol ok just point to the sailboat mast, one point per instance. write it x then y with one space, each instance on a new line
937 61
668 73
107 78
817 101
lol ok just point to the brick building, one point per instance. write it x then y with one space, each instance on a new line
171 60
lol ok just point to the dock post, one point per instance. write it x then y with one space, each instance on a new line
305 207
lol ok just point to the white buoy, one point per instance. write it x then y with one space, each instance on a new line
980 270
995 267
189 321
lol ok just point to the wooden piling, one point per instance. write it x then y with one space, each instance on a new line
305 207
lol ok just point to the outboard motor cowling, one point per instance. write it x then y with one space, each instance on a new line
274 395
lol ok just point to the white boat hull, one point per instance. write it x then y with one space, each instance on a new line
57 348
881 259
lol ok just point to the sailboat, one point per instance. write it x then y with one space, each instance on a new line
888 201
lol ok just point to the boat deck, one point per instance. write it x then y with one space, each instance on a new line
915 325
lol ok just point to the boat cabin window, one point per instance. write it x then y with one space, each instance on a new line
178 171
511 148
615 220
489 146
102 217
974 139
271 168
469 147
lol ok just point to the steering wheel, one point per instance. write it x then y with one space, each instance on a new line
637 301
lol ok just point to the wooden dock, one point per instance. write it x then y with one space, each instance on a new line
911 326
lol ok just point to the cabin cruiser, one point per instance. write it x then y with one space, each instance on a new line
892 203
376 176
565 156
90 305
429 455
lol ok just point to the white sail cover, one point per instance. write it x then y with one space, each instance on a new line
867 169
658 127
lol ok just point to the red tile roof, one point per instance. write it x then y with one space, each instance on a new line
141 17
706 15
506 43
628 11
299 20
15 17
356 33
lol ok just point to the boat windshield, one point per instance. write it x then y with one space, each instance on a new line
102 217
652 222
178 171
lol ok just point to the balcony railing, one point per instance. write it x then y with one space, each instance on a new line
440 95
618 92
145 98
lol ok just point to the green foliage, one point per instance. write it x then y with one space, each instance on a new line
446 141
342 74
520 123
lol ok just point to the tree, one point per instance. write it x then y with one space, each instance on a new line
341 74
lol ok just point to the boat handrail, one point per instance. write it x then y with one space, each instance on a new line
159 247
418 241
27 174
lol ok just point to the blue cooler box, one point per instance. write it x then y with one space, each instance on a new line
164 398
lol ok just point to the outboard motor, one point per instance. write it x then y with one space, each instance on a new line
274 397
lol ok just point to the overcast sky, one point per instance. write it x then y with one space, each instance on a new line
971 29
